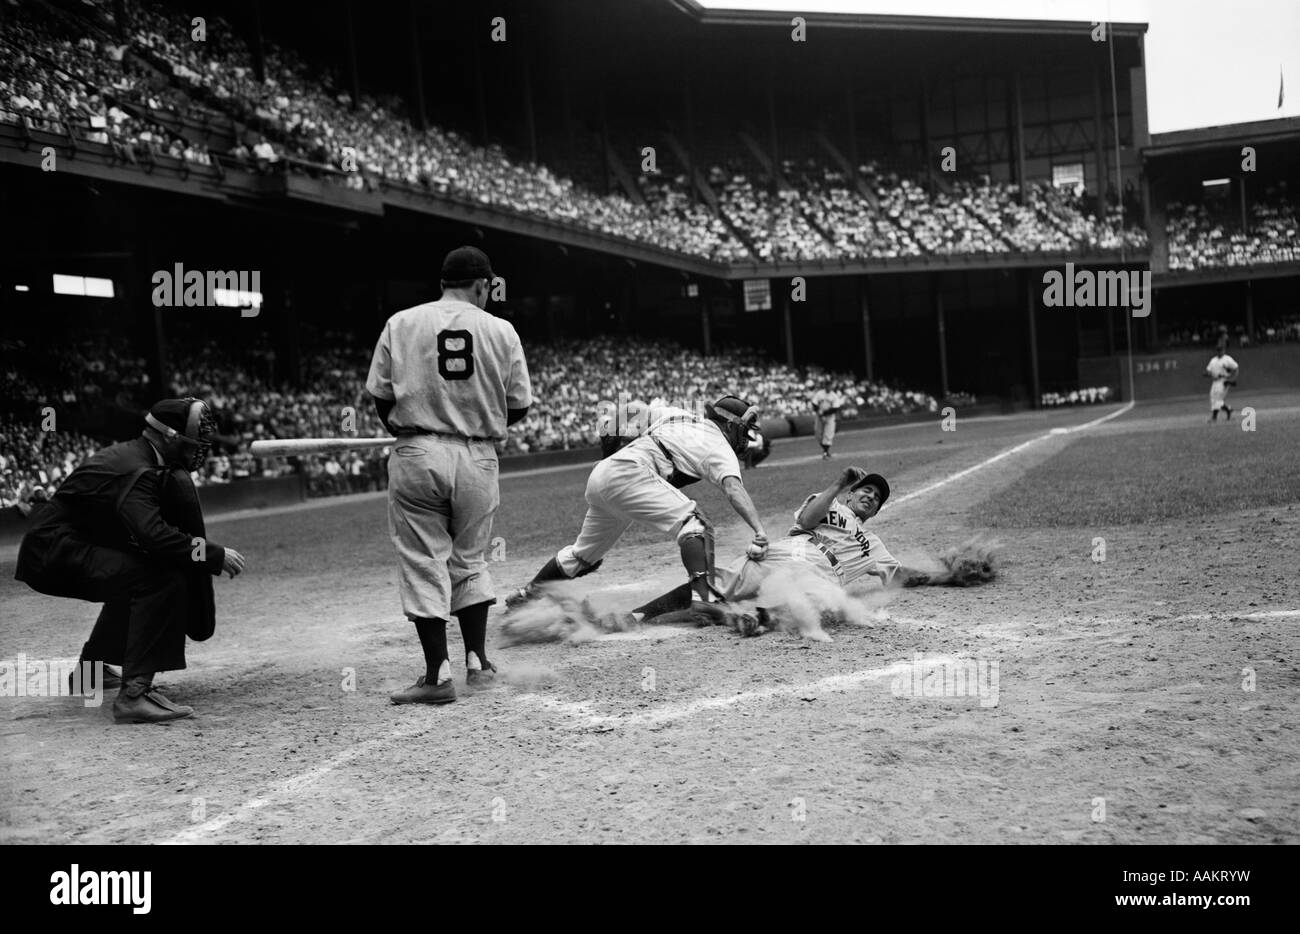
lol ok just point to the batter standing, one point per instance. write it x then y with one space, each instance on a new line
447 378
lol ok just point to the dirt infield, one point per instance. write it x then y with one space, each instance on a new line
1105 701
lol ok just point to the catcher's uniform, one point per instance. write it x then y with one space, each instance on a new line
642 483
826 408
840 549
1221 368
452 370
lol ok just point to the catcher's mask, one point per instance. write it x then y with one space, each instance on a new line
189 424
737 419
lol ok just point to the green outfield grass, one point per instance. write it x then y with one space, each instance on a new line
1141 476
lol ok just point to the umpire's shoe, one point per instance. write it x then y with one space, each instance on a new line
422 693
140 702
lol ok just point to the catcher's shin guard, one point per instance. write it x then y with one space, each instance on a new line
696 542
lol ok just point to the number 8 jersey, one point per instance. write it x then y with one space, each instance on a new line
450 367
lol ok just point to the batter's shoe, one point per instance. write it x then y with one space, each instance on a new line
479 679
148 707
112 679
421 693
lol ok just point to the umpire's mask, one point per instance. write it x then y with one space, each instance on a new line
189 424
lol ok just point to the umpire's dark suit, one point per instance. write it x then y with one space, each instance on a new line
120 532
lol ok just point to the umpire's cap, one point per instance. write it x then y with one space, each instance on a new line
876 480
465 263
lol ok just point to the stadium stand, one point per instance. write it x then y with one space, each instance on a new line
139 96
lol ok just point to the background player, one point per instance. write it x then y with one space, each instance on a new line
641 482
1222 373
447 378
826 405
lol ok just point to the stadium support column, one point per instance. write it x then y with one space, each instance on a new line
259 50
863 304
706 326
1098 159
480 94
789 328
851 122
350 35
1018 128
924 116
1250 311
771 123
417 69
530 116
936 292
1031 312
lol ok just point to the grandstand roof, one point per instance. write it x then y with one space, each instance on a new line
732 17
1283 129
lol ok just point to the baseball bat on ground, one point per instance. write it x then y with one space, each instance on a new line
302 447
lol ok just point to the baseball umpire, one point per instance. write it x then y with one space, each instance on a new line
125 529
447 378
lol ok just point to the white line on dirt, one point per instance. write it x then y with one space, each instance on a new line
293 785
670 713
1007 453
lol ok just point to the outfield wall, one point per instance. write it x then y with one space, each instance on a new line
1182 372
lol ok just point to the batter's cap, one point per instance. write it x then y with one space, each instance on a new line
876 480
464 263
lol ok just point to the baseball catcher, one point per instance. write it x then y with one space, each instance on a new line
642 482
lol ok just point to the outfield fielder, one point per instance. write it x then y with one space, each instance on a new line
1222 373
447 378
826 405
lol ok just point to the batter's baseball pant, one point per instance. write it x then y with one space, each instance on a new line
442 497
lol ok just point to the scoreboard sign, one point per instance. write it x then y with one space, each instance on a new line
758 295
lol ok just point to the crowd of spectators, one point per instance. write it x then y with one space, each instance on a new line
573 382
1207 333
89 87
33 462
1203 238
572 379
816 214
